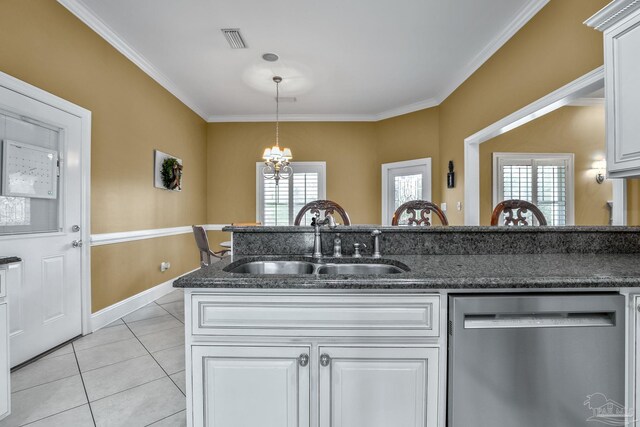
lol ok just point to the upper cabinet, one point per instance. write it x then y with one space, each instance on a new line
620 23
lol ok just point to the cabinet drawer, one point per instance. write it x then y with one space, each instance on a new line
316 315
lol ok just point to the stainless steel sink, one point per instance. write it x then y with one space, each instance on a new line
283 266
275 267
359 269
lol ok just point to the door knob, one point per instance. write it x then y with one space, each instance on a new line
303 359
75 228
76 243
325 359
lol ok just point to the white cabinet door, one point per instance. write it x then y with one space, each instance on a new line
622 63
378 386
249 386
5 390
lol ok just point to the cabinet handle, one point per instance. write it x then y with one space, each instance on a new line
325 359
303 359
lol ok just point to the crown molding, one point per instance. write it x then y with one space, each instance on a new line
406 109
87 16
522 17
294 118
96 24
612 13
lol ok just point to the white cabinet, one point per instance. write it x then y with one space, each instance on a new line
305 359
5 389
237 386
378 387
620 22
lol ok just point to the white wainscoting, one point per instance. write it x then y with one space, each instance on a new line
130 236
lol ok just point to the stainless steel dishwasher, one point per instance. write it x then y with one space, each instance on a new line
534 360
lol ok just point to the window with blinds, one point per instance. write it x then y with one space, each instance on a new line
279 205
546 180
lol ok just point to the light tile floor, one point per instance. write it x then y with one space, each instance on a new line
130 373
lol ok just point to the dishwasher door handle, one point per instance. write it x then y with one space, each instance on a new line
539 320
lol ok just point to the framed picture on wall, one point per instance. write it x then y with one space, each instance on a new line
167 171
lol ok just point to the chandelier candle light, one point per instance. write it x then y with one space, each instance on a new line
277 160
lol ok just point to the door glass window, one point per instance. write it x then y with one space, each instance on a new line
29 214
406 188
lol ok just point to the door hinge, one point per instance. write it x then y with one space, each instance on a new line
450 327
58 168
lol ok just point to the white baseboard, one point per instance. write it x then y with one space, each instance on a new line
120 309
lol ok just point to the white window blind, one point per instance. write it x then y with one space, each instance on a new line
546 180
279 205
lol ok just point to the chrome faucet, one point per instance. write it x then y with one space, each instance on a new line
376 243
317 241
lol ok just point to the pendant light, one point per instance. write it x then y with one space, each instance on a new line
277 160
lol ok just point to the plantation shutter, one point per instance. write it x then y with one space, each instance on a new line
542 181
280 204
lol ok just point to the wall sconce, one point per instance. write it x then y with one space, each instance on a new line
451 176
600 166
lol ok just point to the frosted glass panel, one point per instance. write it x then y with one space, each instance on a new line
406 188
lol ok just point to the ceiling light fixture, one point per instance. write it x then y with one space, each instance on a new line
276 160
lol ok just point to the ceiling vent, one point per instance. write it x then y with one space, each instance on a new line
234 38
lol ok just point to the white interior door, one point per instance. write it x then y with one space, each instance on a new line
46 306
378 387
402 182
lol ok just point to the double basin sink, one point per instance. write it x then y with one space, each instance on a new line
313 267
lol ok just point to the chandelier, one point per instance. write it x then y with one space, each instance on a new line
276 159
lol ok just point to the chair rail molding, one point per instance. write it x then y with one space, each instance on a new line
130 236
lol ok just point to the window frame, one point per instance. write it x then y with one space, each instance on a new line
302 167
569 158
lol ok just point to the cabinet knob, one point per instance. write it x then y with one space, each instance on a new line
303 359
325 359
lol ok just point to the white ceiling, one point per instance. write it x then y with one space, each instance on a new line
342 60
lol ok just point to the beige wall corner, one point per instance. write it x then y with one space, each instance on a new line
46 46
551 50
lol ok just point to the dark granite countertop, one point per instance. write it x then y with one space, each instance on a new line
443 272
8 259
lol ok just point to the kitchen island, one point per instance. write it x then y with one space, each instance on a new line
324 350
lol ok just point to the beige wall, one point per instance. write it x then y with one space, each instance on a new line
349 149
46 46
353 151
411 136
578 130
551 50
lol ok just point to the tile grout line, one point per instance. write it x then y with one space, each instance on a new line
157 421
48 382
126 389
163 370
115 363
52 415
176 317
84 387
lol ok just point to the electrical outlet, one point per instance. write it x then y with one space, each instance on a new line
459 206
164 266
443 206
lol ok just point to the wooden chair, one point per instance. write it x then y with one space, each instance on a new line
521 207
327 206
203 246
424 207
